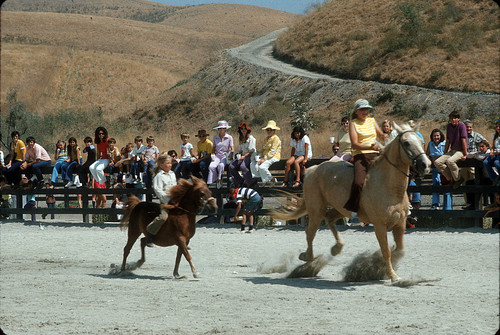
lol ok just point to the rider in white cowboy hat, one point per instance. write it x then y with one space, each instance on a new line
271 153
223 145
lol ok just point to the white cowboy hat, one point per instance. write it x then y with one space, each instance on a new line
222 124
271 124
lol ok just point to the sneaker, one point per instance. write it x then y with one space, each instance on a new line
250 230
435 207
40 227
219 184
69 184
242 228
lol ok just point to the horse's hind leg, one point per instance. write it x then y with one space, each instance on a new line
315 218
132 237
332 215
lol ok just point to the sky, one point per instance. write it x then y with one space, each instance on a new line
292 6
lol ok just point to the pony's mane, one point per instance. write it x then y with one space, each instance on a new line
404 127
178 191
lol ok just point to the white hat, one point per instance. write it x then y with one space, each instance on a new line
362 103
222 124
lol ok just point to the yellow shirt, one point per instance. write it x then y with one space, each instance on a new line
272 147
205 146
20 150
367 134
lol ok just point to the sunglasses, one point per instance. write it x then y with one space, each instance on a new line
269 129
343 123
101 133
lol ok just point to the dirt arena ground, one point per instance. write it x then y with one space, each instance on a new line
56 281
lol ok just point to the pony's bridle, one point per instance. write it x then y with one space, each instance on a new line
409 154
205 202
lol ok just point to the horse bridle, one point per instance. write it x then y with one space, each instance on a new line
406 152
205 202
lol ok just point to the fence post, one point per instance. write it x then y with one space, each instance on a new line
85 204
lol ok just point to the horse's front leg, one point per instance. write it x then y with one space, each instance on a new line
381 234
182 249
177 262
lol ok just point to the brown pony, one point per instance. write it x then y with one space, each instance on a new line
384 200
185 200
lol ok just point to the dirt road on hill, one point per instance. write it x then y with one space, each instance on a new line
56 281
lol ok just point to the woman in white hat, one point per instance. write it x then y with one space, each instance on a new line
223 145
363 131
271 153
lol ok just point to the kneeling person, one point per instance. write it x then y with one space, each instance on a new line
162 182
253 202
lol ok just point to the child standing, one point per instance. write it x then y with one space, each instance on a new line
150 156
137 159
253 202
61 157
50 200
182 169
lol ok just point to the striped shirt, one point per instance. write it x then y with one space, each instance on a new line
367 134
62 156
245 193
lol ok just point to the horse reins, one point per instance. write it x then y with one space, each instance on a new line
407 153
204 205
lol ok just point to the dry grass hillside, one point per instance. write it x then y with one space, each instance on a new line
73 61
443 44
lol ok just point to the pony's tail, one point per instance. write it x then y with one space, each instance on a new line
295 208
129 206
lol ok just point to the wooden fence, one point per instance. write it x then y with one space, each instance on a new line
68 195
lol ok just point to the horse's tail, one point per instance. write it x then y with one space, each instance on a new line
295 208
129 207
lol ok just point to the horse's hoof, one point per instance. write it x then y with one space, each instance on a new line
179 277
303 257
336 249
395 279
196 274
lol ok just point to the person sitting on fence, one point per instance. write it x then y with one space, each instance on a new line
50 200
5 200
253 203
434 150
137 159
102 143
199 168
83 170
301 153
344 152
61 158
12 170
246 148
470 197
455 150
492 162
163 180
271 153
74 161
182 170
473 140
223 145
124 163
175 158
115 156
35 159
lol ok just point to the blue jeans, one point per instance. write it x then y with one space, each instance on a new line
489 163
13 173
37 170
148 175
447 196
58 169
69 168
200 169
182 169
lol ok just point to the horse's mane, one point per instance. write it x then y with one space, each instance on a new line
178 191
404 127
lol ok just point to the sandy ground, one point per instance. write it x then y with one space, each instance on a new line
56 281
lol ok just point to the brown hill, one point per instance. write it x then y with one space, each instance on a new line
445 44
60 61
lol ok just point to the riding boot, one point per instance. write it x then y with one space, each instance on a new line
149 239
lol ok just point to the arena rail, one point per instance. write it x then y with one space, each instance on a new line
67 195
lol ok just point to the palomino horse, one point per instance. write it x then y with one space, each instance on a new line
384 200
185 200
